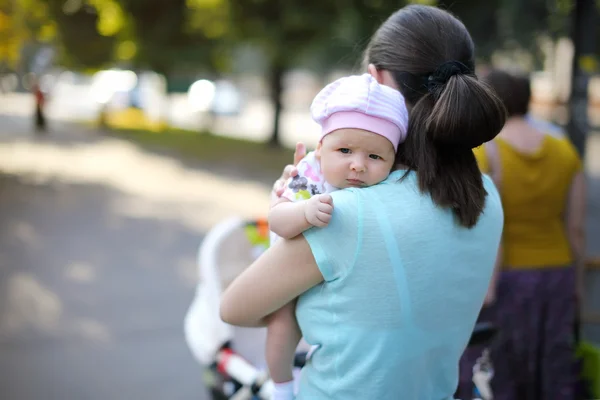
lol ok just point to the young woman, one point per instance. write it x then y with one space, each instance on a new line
390 289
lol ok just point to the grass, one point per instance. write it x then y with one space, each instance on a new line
245 159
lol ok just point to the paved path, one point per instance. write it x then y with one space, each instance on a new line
97 265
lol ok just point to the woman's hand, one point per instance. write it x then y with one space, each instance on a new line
289 170
490 296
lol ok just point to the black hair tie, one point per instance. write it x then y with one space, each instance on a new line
442 74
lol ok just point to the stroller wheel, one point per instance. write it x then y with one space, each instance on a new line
216 394
216 384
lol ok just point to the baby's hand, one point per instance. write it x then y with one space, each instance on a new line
318 210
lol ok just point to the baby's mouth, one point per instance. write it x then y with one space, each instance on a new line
355 182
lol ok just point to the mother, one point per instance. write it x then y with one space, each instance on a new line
390 290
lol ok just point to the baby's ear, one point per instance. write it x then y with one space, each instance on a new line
318 151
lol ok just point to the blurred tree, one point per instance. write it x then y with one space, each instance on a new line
514 24
350 32
584 35
171 35
511 24
23 23
80 43
209 21
91 34
494 24
284 31
482 21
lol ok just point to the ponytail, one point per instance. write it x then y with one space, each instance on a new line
445 124
430 55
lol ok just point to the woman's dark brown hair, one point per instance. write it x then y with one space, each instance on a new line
430 55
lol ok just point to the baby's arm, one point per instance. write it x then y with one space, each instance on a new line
289 219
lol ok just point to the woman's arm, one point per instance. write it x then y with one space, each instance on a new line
575 223
279 275
490 297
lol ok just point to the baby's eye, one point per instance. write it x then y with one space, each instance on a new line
345 150
374 157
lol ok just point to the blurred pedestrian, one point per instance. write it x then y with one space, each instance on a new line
40 103
535 297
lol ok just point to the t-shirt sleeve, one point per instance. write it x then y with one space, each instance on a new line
304 185
336 245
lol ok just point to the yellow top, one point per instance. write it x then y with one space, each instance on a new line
534 188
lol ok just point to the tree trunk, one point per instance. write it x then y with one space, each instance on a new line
584 37
276 89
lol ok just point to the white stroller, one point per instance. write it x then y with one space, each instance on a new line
233 357
228 248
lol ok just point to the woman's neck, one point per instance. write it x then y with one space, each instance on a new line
515 123
521 134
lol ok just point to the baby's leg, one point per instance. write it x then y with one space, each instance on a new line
283 336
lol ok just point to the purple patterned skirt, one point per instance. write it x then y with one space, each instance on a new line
533 354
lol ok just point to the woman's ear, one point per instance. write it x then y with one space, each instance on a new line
375 73
382 76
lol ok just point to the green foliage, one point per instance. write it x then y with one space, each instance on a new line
23 24
175 34
80 44
282 29
511 24
351 31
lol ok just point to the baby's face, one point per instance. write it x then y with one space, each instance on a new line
355 158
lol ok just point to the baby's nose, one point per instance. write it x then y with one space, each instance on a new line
358 166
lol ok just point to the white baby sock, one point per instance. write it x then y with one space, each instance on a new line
284 391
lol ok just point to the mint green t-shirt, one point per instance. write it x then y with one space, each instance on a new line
404 283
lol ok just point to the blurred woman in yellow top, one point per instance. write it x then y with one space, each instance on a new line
534 298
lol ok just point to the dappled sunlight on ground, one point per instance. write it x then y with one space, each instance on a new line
91 330
29 304
25 233
92 300
159 187
80 271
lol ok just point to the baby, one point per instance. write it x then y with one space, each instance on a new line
362 123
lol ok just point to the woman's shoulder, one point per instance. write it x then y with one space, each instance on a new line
396 184
346 198
493 195
563 147
563 143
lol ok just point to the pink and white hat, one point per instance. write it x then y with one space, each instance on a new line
360 102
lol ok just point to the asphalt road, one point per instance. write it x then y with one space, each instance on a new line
98 243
